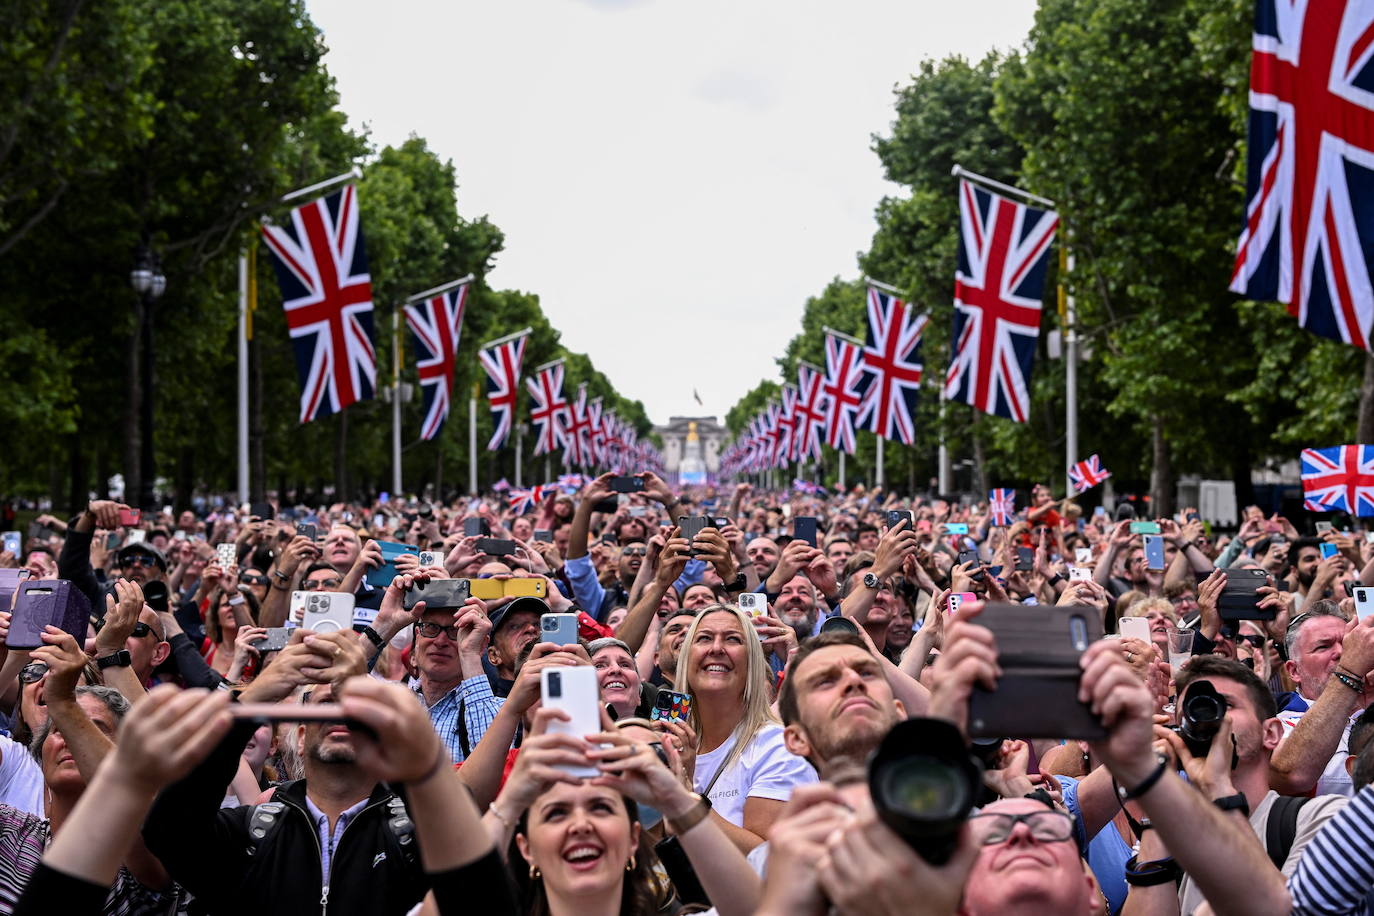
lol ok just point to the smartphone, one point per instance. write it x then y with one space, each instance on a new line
956 527
43 602
1329 550
804 529
755 604
1154 552
671 706
324 612
308 531
378 521
1364 601
1144 527
1369 537
958 598
970 555
638 511
13 543
381 576
1082 555
130 518
896 516
476 528
691 526
178 535
573 689
490 589
274 640
839 623
543 534
606 506
9 584
1323 527
263 511
227 554
1134 627
1037 695
1239 598
136 536
440 593
496 547
431 558
1099 510
1193 517
1025 559
1079 574
559 629
291 712
627 483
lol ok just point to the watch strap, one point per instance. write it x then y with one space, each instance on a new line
374 637
120 659
1237 802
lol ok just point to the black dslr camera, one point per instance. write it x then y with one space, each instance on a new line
924 783
1200 719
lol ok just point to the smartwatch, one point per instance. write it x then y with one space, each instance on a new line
120 659
738 584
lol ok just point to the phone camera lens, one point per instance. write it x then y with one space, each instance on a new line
555 684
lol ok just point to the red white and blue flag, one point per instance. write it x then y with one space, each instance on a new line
437 323
1339 478
1004 247
502 360
809 413
786 426
1307 236
321 265
892 359
1002 506
577 443
843 389
523 502
1087 474
549 410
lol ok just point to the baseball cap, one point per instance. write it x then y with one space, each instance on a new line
144 548
527 604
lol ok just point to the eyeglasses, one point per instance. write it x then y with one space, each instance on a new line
142 629
139 559
430 630
634 551
254 580
1045 826
323 584
33 671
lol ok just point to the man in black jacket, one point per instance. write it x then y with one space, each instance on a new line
334 841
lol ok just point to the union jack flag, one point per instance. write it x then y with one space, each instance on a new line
1002 506
437 323
502 363
321 265
1003 249
892 357
523 502
1087 474
550 411
571 483
1311 150
785 447
843 389
596 433
577 445
809 411
1340 477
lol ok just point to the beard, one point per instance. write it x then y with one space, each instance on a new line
837 744
803 625
320 752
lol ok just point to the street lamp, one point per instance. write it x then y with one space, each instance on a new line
148 281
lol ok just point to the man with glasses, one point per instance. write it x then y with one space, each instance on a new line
448 650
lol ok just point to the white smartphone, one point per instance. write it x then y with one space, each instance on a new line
431 558
1364 601
1079 574
1154 552
1082 555
573 689
227 553
1134 627
323 612
135 536
755 604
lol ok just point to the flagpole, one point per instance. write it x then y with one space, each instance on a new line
352 174
842 336
944 470
396 403
841 470
878 463
960 172
518 429
472 442
441 288
1070 363
509 337
243 378
883 286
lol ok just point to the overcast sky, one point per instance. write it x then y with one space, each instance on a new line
674 177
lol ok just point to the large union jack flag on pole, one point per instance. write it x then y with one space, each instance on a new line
810 413
843 389
321 265
1003 249
577 446
501 359
1002 506
549 410
1340 477
1310 172
892 357
1087 474
437 322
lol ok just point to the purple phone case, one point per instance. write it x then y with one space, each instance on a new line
47 601
10 580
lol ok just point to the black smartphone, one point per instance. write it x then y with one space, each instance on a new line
896 516
627 483
971 556
263 511
1038 649
719 522
543 534
804 529
1239 598
275 640
606 505
438 593
308 531
1025 559
691 526
496 547
476 528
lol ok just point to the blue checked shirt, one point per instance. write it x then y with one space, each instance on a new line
479 706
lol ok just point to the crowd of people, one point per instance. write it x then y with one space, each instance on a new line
790 714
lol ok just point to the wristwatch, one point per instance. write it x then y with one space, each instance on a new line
120 659
871 581
1235 802
738 584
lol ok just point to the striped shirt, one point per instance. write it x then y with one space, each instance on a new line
1336 874
479 708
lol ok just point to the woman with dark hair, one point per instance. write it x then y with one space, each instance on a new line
222 624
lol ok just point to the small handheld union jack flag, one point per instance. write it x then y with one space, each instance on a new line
1087 474
892 357
501 359
523 502
1002 506
321 265
1339 478
437 323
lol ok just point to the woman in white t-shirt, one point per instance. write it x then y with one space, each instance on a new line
742 765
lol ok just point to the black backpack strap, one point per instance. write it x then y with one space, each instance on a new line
1282 827
464 743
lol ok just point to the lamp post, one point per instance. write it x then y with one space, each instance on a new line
148 281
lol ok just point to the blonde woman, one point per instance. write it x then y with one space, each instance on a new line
742 765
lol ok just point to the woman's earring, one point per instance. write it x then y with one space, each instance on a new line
630 865
535 874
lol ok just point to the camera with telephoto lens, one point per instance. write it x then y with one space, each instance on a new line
1200 718
924 783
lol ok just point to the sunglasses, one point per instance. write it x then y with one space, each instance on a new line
635 551
139 559
33 671
254 580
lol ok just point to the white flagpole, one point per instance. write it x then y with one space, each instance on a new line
509 337
441 288
878 463
352 174
945 471
243 378
960 172
472 442
841 470
1070 374
396 403
518 430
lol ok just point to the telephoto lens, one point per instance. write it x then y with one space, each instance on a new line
924 784
1202 712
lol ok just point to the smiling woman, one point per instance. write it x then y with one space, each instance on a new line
742 765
